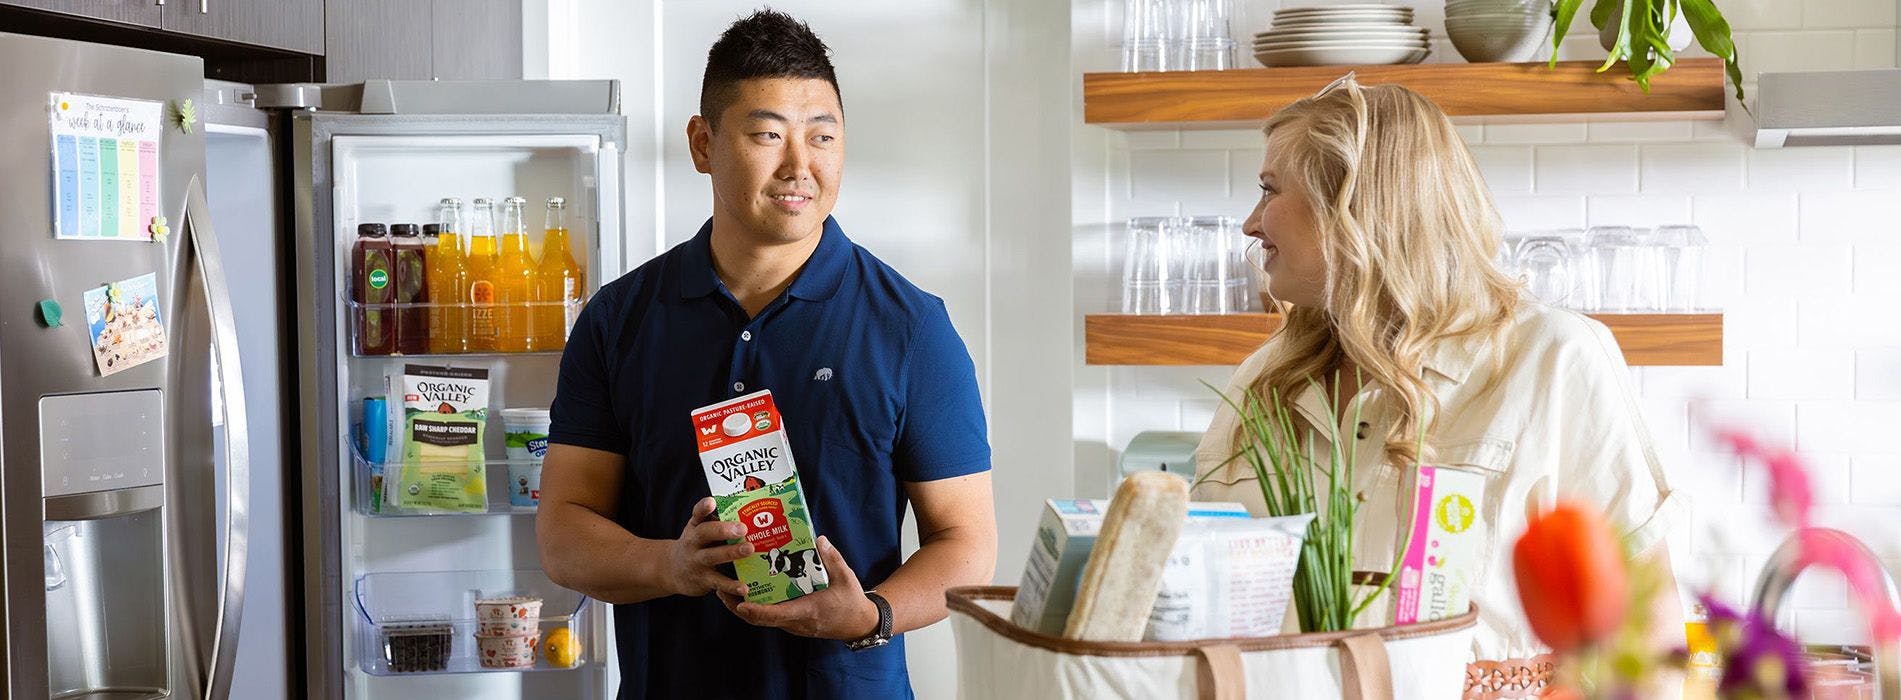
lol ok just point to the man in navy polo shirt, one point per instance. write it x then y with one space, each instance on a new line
877 391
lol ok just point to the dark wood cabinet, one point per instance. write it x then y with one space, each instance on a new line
290 25
366 39
142 13
477 39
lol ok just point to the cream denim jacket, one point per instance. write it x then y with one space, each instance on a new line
1560 421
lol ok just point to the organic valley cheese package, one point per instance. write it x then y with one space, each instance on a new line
1436 571
754 481
444 412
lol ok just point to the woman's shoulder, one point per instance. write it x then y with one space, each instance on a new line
1542 332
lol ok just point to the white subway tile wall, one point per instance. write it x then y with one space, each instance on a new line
1805 260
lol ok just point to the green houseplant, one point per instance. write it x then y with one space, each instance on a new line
1642 30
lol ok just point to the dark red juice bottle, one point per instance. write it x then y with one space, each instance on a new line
373 287
412 289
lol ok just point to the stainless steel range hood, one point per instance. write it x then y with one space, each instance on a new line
1829 108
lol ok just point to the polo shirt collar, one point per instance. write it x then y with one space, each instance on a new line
818 280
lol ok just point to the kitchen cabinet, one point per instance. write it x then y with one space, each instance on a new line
378 39
422 40
477 39
143 13
290 25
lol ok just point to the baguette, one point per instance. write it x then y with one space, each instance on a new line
1124 572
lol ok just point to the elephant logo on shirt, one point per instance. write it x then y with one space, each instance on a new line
824 374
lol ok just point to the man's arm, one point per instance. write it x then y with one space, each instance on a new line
957 533
583 549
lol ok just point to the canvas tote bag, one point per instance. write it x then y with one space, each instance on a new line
997 659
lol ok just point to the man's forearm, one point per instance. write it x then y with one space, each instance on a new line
951 558
583 551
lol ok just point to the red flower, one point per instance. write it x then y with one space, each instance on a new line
1571 577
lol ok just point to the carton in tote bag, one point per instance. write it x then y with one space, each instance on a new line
998 659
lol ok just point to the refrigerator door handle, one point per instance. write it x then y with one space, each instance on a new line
237 442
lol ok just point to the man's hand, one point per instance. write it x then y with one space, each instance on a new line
841 611
689 566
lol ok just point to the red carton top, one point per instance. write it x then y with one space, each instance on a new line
728 422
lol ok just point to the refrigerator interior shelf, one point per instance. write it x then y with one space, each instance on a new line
389 474
393 318
419 623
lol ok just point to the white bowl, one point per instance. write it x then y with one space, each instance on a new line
1358 39
1455 7
1510 45
1401 46
1336 29
1498 25
1341 56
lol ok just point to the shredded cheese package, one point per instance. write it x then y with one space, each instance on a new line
445 412
753 479
1436 571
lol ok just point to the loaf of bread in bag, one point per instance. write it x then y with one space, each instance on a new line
1124 572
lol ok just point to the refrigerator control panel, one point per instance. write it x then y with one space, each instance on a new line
101 442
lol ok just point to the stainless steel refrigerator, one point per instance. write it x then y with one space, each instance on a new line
224 540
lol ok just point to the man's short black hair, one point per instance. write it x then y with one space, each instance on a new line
765 44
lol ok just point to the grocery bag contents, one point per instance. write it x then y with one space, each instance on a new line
1064 537
448 282
371 270
754 481
459 285
416 647
412 291
1436 572
444 412
1124 571
560 282
1228 577
525 432
508 630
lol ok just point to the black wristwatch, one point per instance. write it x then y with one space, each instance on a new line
883 635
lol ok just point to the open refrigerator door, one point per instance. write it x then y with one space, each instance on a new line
422 572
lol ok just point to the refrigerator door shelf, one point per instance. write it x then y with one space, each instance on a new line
425 622
391 318
374 479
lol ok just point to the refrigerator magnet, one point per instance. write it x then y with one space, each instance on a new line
105 166
123 322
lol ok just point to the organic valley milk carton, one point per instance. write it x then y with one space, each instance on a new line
750 470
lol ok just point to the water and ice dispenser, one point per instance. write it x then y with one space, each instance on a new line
102 468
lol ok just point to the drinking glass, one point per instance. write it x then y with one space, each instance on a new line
1151 271
1212 279
1626 266
1148 36
1682 251
1544 263
1206 43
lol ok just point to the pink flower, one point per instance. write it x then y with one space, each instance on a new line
1830 549
1789 488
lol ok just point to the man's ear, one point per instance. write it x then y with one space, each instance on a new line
699 141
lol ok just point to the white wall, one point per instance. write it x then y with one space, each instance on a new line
956 122
1805 243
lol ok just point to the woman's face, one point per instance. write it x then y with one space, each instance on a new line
1283 222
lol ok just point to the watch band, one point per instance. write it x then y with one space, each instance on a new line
882 636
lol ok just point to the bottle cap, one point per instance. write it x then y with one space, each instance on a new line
431 230
372 230
404 230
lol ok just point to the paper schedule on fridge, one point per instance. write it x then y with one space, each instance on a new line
105 166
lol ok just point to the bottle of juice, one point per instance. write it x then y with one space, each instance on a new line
448 282
559 282
370 287
412 289
515 282
484 321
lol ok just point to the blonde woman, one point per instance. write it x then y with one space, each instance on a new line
1378 238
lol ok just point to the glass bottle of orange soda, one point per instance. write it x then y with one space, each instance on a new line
484 318
515 282
448 282
559 283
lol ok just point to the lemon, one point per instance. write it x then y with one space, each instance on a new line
560 648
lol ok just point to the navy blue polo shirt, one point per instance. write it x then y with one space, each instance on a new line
876 389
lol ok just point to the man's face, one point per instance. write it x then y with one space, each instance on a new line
775 159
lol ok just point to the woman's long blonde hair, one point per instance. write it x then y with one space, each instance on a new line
1407 232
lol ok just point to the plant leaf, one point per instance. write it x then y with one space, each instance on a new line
1712 33
1621 49
1564 13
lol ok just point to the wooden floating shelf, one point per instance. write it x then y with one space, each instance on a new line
1691 89
1120 339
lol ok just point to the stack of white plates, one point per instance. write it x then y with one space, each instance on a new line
1335 35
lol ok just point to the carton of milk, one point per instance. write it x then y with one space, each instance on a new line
1436 570
754 481
1063 539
